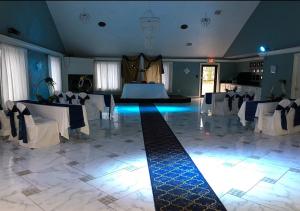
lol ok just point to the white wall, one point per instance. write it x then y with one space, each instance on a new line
73 65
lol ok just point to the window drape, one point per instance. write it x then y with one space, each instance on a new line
55 71
13 73
167 76
107 75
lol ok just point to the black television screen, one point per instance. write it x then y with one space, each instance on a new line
80 83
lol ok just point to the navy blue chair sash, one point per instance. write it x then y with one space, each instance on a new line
249 97
107 100
11 115
22 125
69 99
230 99
82 100
283 116
297 114
208 98
240 99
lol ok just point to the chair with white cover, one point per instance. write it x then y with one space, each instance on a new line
4 123
13 113
293 117
91 109
60 97
38 132
70 98
276 124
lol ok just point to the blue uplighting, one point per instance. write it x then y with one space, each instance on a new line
127 109
134 109
262 49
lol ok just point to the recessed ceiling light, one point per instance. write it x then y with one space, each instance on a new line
102 24
188 44
184 26
218 12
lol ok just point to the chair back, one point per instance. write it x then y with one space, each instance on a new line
82 97
70 97
285 103
10 105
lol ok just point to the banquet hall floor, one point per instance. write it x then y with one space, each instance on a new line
108 170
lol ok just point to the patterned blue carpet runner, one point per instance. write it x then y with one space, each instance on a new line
176 182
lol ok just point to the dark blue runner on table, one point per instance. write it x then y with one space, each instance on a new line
208 97
176 182
75 112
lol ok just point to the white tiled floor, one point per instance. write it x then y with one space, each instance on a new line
108 170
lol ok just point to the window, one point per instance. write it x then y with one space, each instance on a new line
55 71
167 76
13 73
107 75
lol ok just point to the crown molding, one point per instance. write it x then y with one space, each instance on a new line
19 43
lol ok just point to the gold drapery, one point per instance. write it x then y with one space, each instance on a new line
130 68
153 68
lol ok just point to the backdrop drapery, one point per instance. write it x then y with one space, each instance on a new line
153 68
130 68
13 73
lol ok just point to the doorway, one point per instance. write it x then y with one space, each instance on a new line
208 79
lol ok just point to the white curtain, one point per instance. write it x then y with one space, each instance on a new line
167 76
107 75
55 71
13 73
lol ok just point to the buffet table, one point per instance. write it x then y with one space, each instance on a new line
144 91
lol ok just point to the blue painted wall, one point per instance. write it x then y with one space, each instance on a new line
228 71
37 71
284 65
186 84
33 20
273 24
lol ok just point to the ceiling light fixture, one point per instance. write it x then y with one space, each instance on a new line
84 17
205 21
184 26
149 25
218 12
102 24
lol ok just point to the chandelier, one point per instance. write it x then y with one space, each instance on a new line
84 17
149 25
205 21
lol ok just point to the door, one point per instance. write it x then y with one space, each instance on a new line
208 79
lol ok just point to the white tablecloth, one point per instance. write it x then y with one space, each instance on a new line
60 115
144 91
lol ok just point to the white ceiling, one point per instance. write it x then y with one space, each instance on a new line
123 35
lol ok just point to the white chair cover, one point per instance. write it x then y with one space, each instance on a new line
71 94
10 105
290 119
272 123
61 97
40 132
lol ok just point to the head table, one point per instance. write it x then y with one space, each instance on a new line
144 91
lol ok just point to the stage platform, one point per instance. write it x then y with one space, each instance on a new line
172 99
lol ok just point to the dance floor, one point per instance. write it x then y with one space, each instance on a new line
108 170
